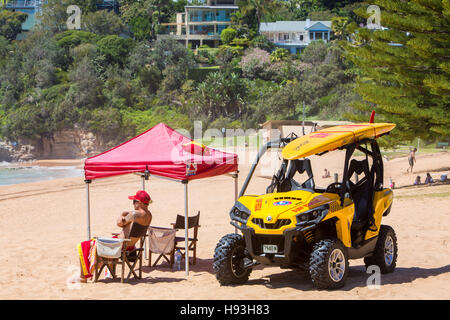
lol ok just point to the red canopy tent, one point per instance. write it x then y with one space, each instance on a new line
162 152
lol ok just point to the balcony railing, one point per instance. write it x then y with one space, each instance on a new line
108 3
23 4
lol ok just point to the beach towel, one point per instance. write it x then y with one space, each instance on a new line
86 252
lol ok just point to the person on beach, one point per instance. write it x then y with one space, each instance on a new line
391 183
411 159
417 181
326 173
428 179
140 215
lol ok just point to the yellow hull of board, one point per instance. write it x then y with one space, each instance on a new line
332 138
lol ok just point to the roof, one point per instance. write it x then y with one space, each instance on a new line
163 152
294 26
213 7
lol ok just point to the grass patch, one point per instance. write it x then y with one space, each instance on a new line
426 195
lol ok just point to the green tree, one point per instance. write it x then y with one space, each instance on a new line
221 94
405 69
340 27
103 22
258 8
315 52
115 48
11 23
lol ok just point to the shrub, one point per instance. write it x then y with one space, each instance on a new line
200 74
263 43
115 48
228 35
280 54
255 64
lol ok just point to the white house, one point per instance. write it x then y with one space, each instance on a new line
295 35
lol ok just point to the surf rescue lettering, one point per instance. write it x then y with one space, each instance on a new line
301 144
258 204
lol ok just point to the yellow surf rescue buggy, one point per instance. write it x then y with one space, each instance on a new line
298 225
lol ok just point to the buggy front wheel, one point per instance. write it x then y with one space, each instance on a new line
229 257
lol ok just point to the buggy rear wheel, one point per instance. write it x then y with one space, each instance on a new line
386 250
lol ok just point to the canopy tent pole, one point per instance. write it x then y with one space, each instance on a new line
186 252
145 177
236 192
88 210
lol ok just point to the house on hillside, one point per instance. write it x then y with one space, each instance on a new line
295 35
200 24
30 7
34 7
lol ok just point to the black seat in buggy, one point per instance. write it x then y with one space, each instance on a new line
361 193
300 166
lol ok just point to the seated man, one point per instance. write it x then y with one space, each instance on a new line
140 216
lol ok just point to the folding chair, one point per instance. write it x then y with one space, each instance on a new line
193 222
162 241
127 258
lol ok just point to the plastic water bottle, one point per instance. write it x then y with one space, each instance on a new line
178 259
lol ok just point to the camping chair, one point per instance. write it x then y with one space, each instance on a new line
123 257
162 241
193 222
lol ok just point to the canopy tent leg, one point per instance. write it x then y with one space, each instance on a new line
236 192
145 176
88 210
186 252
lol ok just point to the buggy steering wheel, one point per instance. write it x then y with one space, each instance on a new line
335 187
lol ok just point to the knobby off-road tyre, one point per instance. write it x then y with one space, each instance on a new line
229 260
386 250
328 264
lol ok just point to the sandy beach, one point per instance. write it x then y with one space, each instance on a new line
43 221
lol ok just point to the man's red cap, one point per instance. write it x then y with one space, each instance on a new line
142 196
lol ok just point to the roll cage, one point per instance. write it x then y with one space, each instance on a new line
360 192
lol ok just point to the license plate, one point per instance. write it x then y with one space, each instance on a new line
270 248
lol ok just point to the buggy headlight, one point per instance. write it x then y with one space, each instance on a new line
314 215
240 213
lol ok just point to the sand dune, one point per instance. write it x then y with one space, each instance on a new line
42 223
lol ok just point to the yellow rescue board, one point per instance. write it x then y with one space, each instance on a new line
332 138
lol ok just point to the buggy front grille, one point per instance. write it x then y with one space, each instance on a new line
277 225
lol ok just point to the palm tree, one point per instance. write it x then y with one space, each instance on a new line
257 7
339 26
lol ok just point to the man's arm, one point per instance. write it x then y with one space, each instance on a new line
127 217
124 219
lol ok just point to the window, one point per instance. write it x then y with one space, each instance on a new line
283 36
301 37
